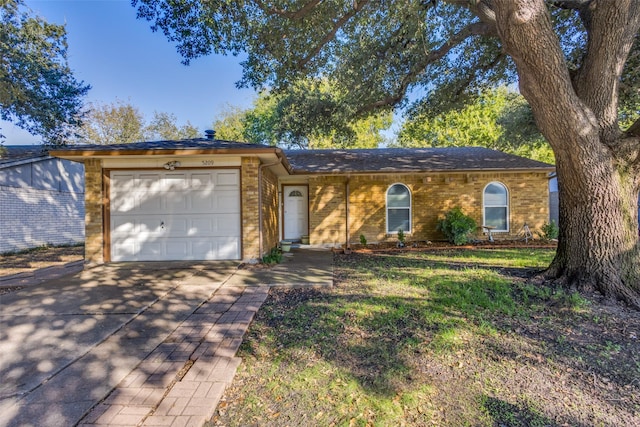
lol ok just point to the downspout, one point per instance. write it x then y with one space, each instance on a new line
260 216
346 191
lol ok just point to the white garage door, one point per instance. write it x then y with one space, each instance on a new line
175 215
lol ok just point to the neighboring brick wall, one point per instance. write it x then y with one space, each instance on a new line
32 217
93 249
430 201
269 210
250 217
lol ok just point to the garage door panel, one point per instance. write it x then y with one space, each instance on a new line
123 226
149 249
218 247
124 250
226 224
202 201
190 215
202 180
229 178
177 226
124 204
175 203
149 183
174 181
122 183
227 201
147 203
144 226
177 249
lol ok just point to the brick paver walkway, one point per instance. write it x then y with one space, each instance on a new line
182 380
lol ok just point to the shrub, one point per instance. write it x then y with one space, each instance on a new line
401 238
549 231
273 257
363 240
456 226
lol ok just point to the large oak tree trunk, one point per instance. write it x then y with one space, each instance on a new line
598 244
597 164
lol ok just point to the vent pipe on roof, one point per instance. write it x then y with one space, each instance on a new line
210 134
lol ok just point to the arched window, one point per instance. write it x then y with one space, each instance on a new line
295 193
496 206
398 209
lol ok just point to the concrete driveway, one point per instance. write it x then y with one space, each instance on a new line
133 344
66 343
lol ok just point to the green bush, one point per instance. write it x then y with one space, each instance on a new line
456 226
273 257
549 231
363 240
401 237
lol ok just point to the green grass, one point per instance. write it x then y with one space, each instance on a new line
41 248
427 338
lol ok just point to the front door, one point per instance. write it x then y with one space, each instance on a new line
296 211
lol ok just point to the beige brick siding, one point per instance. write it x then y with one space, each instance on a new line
431 198
327 209
250 216
93 198
269 210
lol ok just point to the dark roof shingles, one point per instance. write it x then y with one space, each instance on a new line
185 144
15 153
407 160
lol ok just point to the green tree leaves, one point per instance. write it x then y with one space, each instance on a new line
121 123
499 119
38 91
308 115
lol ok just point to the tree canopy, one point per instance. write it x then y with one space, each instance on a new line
575 62
38 91
376 55
284 119
499 119
121 123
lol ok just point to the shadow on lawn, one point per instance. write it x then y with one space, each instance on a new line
390 342
506 414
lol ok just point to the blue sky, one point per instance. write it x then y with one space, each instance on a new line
122 59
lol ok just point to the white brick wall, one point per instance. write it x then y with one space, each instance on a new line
34 217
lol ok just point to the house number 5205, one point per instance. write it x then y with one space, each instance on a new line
207 163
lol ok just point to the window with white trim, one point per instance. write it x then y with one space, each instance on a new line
496 206
398 209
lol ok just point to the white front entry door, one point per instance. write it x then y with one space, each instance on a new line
175 215
296 211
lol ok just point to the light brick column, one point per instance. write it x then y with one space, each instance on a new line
93 218
250 215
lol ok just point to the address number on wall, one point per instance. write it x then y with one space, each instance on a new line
207 163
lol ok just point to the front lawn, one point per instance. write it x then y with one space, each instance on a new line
446 338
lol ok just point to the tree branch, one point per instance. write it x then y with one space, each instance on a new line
477 28
357 6
583 7
614 25
295 15
481 8
634 129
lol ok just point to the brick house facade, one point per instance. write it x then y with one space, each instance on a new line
349 194
41 199
528 203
